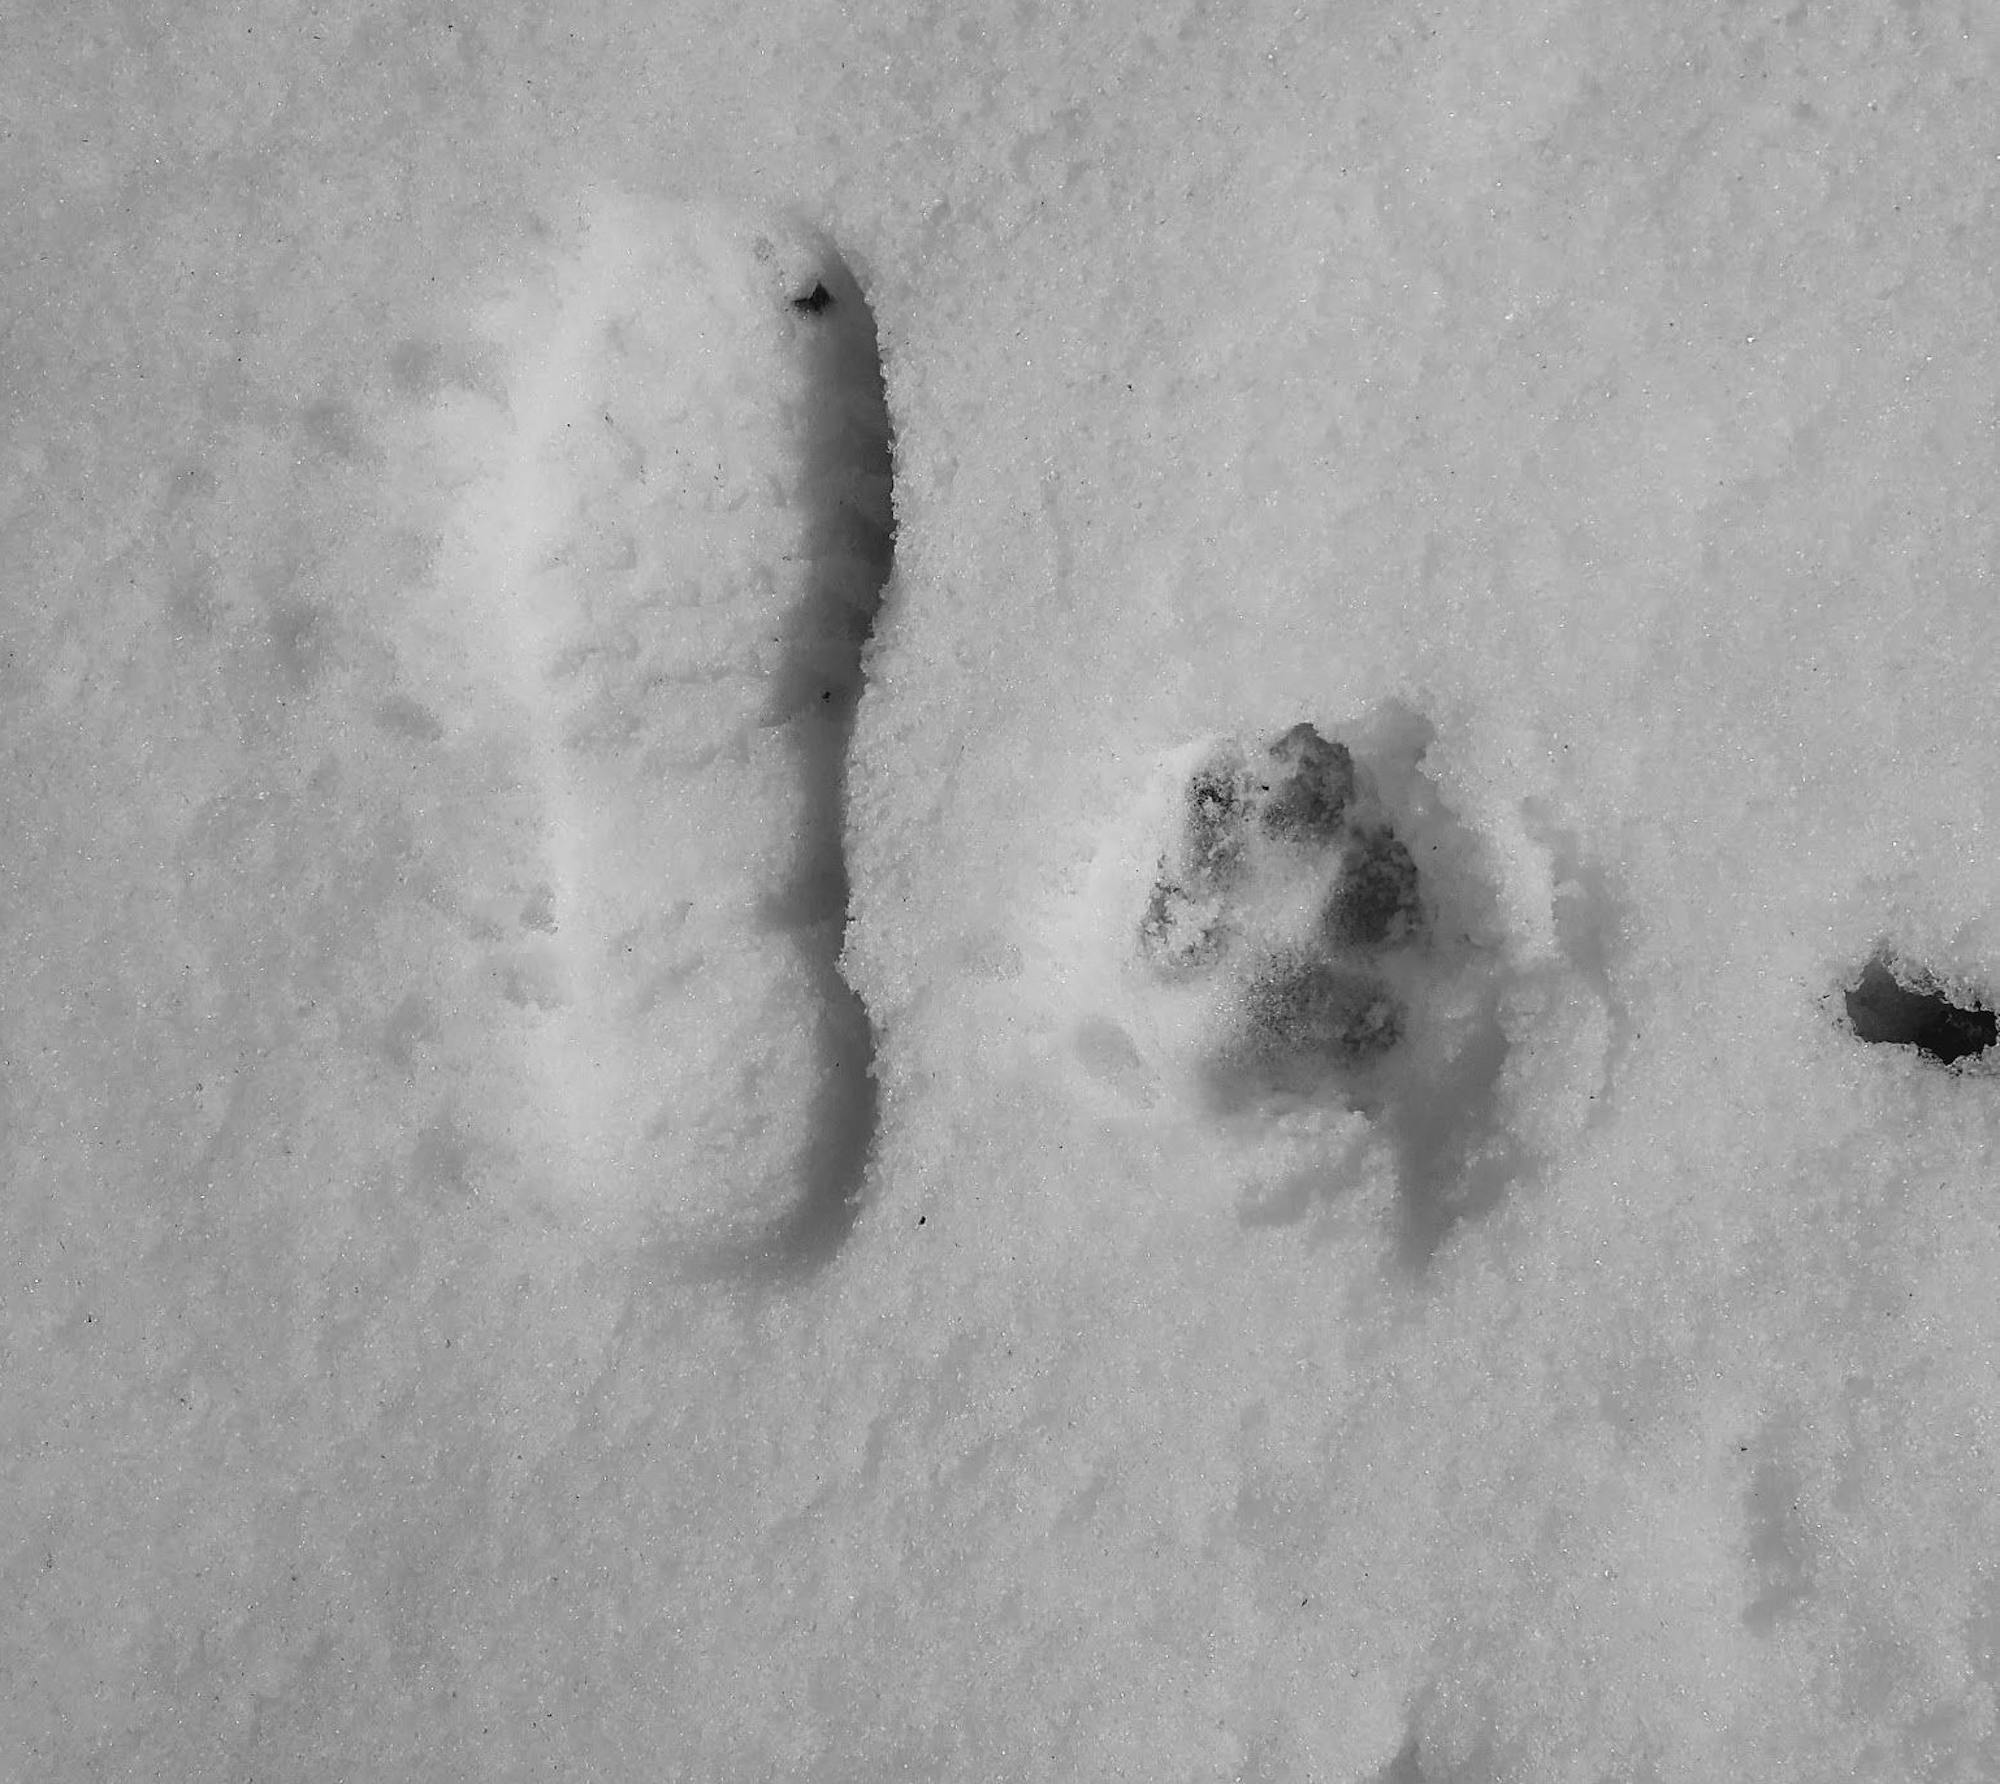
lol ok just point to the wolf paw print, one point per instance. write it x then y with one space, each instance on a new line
1287 868
1341 966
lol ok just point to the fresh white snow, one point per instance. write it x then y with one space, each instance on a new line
638 1143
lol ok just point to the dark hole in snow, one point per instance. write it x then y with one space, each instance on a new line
1885 1008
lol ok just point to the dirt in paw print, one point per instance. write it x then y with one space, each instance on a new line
1187 917
1376 902
1305 787
1287 875
1308 1022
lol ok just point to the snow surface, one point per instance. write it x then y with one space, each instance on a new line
600 1176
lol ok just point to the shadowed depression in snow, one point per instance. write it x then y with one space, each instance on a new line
851 544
